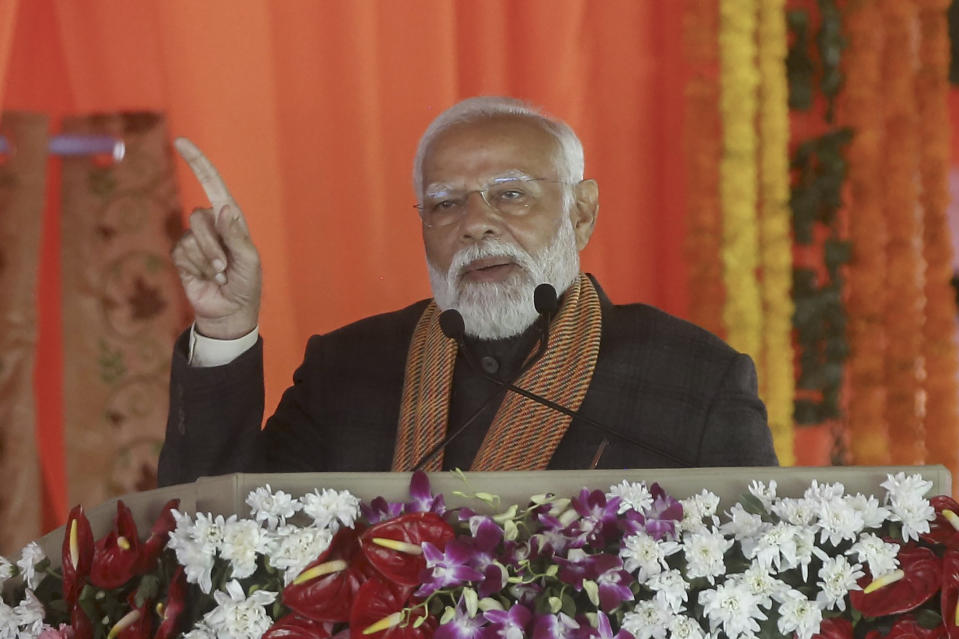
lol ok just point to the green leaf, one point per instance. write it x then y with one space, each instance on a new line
555 604
147 590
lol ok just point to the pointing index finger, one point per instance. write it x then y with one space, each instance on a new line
206 173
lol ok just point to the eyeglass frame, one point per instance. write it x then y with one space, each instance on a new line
463 196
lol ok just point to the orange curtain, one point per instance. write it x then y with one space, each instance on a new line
312 109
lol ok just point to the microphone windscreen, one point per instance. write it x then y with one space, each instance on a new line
545 300
452 324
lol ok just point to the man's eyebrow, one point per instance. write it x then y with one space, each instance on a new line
511 174
437 188
442 188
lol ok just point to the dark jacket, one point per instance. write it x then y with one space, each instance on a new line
659 380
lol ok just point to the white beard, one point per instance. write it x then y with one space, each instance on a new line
497 310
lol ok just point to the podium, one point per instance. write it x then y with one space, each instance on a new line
226 494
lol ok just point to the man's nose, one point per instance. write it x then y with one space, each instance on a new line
480 219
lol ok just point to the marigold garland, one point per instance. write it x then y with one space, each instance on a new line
939 347
778 384
739 79
904 300
701 137
867 429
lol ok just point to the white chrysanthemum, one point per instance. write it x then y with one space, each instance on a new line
243 541
30 556
670 588
902 488
766 494
697 509
196 561
634 496
237 616
200 631
873 514
7 570
838 521
775 548
330 506
743 525
837 577
800 616
647 620
798 512
644 556
763 585
733 607
274 508
704 554
805 540
9 627
881 557
683 627
29 615
914 514
295 547
208 531
824 492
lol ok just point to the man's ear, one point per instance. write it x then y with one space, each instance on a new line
584 212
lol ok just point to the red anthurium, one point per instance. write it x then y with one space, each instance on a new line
944 529
171 613
393 546
920 581
835 628
949 597
77 554
377 614
159 535
82 628
324 590
136 624
117 556
908 628
293 626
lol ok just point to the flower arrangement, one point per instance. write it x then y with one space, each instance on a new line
627 563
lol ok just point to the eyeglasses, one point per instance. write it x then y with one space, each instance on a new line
508 196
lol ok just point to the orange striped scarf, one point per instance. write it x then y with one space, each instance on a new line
523 434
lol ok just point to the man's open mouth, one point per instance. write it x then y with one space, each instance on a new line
488 269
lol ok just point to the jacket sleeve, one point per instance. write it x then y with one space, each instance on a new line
736 432
215 415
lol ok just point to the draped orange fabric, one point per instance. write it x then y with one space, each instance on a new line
312 109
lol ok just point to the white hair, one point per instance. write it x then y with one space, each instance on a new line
497 310
569 164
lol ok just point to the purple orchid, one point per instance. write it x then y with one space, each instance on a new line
421 498
380 510
604 630
551 538
660 519
598 518
485 540
560 626
462 626
509 624
447 568
614 587
665 513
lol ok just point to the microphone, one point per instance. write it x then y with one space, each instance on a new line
457 328
544 300
451 323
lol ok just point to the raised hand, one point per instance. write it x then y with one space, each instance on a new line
218 264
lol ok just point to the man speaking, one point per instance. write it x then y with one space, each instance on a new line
519 362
